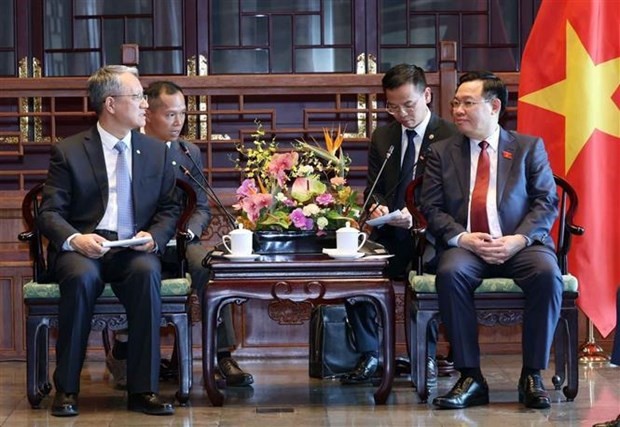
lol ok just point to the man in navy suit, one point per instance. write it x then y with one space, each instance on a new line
80 210
502 231
165 118
407 98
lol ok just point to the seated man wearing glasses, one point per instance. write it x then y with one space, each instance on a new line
409 135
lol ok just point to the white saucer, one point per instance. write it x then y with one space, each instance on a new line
233 257
338 255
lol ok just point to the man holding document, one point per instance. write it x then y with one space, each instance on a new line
107 184
407 138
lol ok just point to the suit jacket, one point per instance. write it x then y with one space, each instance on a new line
397 240
75 194
200 219
391 135
526 192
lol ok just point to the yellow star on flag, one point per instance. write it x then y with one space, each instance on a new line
584 98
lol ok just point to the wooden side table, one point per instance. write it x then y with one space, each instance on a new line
297 277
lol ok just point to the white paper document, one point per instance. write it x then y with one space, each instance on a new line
126 242
379 221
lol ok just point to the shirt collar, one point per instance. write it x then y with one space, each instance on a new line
492 140
109 141
420 129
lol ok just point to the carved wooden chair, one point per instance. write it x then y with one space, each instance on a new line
41 296
499 301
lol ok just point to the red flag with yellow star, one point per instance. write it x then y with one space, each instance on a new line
569 94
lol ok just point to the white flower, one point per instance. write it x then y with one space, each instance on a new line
305 170
280 197
311 209
322 222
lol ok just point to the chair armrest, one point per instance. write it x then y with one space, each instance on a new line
566 226
30 209
419 225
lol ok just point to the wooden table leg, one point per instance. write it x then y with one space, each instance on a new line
210 308
385 305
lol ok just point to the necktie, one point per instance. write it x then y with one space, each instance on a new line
125 227
478 218
406 170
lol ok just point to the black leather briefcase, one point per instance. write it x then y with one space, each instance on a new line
332 345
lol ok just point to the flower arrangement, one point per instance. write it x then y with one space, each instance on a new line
301 189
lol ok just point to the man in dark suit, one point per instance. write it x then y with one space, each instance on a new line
414 129
165 118
105 184
490 200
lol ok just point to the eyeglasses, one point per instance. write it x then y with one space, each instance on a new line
135 96
408 108
467 104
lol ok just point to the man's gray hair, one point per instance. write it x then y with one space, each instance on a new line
105 82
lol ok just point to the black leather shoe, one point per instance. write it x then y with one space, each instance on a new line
149 403
65 405
465 393
234 375
532 392
431 372
363 372
403 367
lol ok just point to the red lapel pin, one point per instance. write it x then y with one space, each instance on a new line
507 155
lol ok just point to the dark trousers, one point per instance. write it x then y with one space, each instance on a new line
362 315
534 269
195 253
136 281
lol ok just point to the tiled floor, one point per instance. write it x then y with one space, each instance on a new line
283 395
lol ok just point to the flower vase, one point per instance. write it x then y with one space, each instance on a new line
292 242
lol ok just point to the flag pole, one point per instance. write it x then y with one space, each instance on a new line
590 351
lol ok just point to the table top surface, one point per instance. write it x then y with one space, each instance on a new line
298 265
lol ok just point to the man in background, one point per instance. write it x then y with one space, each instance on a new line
413 130
165 118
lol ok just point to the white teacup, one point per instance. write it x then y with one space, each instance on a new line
348 239
239 241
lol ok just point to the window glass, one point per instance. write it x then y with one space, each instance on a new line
254 30
240 61
71 63
6 24
7 64
266 6
323 60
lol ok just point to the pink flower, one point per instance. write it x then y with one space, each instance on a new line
304 188
300 221
253 204
246 189
325 199
280 163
